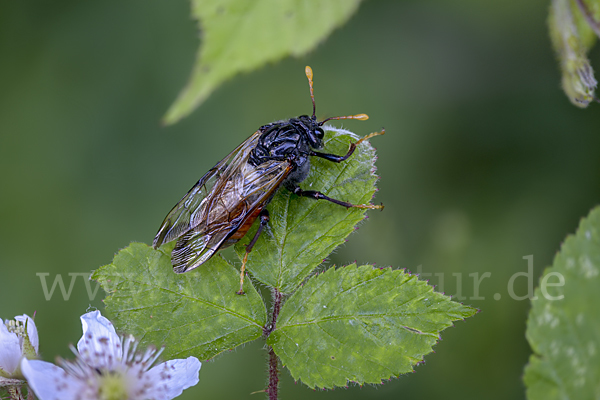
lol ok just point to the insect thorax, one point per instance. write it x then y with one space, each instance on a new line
292 141
289 140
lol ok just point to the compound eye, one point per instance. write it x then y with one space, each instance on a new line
316 138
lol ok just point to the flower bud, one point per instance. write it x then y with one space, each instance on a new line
578 80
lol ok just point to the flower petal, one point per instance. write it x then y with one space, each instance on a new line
10 350
50 382
32 332
100 346
173 377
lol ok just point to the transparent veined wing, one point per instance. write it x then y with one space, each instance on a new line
234 202
186 214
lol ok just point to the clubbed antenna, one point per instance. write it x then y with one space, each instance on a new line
309 75
361 117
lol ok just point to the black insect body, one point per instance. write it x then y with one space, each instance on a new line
292 141
220 209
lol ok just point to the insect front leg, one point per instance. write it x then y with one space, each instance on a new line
337 159
264 219
313 194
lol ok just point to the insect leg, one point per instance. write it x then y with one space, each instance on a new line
313 194
264 219
334 157
338 159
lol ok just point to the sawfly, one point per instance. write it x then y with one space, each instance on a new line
219 210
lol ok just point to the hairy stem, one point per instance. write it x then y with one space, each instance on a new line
273 387
277 297
273 375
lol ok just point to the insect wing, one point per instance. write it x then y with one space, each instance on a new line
186 214
177 222
238 198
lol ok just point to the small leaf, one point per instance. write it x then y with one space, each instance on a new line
240 36
303 231
360 324
196 313
563 328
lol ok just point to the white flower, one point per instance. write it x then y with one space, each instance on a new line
108 368
18 339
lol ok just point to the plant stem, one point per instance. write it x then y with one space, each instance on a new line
273 375
273 387
277 297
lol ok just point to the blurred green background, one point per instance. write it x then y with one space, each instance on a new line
484 162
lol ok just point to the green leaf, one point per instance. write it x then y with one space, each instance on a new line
303 231
360 324
563 328
240 36
196 313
